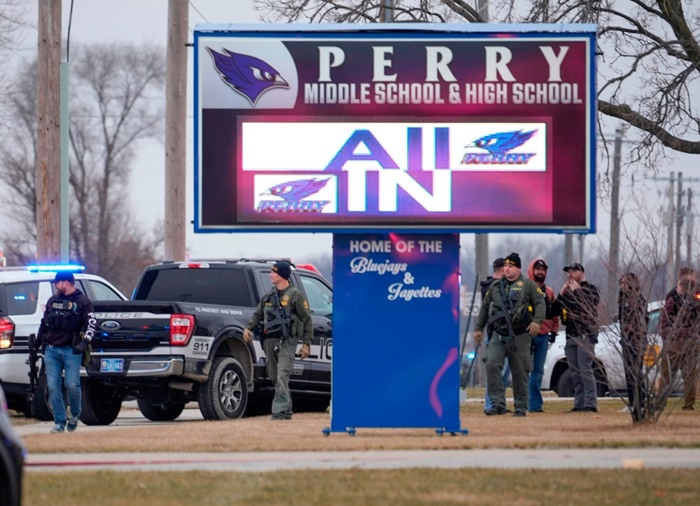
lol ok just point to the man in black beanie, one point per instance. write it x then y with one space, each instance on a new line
285 315
516 308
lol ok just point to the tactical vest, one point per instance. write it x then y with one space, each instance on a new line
276 321
521 311
64 315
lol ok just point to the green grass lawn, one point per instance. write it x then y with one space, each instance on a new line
371 487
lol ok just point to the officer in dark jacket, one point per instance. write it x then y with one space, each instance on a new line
66 330
284 313
515 306
577 304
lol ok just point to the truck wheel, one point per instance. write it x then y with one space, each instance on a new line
565 385
166 412
42 405
101 404
225 393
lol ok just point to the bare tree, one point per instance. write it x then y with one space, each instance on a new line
649 51
642 253
116 102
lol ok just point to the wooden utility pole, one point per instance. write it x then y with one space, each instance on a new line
689 229
679 222
48 150
481 241
386 11
175 131
614 252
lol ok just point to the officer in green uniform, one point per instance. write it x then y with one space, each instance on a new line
285 315
516 308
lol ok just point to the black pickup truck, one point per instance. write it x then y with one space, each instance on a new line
180 339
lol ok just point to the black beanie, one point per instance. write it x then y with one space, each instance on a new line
283 269
513 259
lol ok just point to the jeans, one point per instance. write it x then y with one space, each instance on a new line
540 347
58 359
279 368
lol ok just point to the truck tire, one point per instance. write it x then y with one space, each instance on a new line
224 395
565 385
165 412
101 404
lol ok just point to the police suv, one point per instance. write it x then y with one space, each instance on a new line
24 292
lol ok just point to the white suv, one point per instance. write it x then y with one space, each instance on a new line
23 296
609 367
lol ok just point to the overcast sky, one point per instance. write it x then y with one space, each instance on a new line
146 21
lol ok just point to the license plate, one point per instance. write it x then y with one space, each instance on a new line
112 365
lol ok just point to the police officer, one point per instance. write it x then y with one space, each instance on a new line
516 308
577 304
66 330
285 315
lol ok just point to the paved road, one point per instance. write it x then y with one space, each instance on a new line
445 459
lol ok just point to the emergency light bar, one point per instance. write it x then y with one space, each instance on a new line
56 268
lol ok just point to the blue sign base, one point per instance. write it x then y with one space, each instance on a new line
395 332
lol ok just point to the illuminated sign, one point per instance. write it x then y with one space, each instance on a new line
478 129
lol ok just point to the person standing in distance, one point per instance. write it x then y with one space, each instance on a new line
578 306
537 272
284 313
634 320
512 303
66 330
680 334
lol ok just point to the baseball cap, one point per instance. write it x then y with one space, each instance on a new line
540 263
574 267
498 263
64 276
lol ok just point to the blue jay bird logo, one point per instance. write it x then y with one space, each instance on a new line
247 75
292 194
499 146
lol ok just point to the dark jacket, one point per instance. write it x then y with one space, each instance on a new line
579 310
65 317
295 306
634 320
680 317
484 286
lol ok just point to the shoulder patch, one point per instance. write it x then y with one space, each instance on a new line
539 290
306 305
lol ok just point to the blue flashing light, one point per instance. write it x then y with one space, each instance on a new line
20 297
471 355
56 268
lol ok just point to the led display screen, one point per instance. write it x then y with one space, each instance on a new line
345 130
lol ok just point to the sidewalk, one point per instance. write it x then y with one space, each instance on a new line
630 458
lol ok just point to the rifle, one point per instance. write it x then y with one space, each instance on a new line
281 320
506 313
33 377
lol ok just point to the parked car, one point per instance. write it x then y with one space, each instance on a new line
24 292
12 454
609 366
